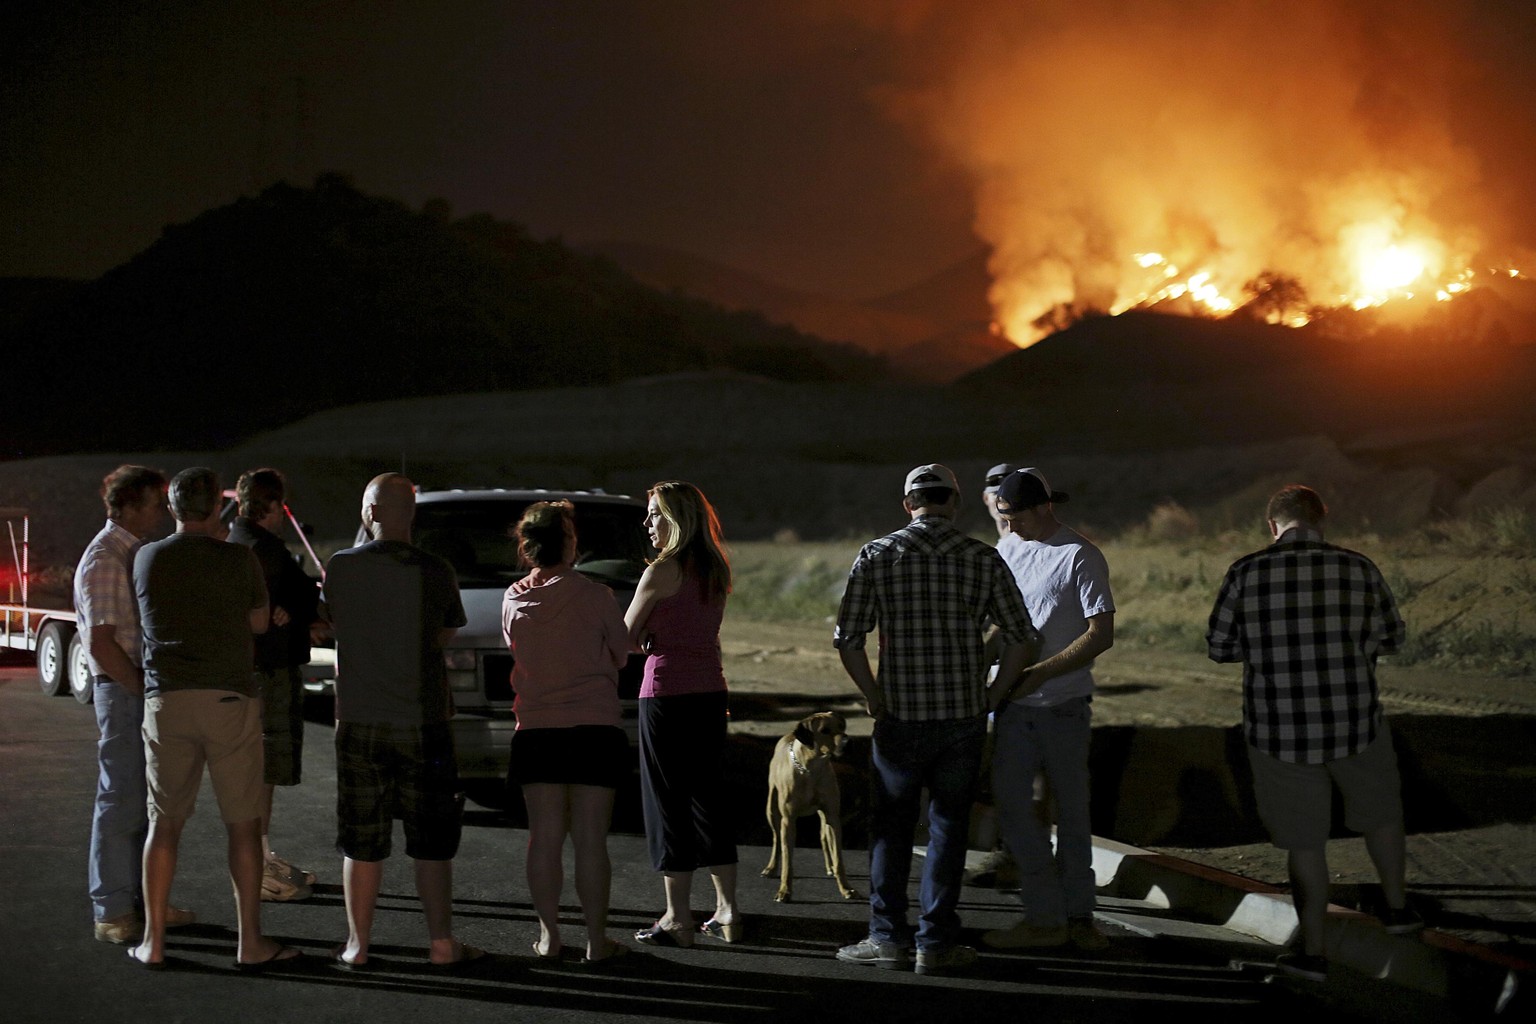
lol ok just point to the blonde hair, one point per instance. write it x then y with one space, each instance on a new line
693 537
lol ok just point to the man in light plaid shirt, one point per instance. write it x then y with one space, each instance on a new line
107 616
1307 620
931 591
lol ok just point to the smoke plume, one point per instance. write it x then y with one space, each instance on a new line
1120 148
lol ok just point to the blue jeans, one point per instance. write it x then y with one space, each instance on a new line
1053 886
121 820
944 756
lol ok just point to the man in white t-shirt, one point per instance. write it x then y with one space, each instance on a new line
1042 725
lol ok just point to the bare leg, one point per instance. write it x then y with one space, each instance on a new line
434 886
1389 852
267 790
1309 889
679 888
360 881
591 814
160 849
724 877
547 826
245 866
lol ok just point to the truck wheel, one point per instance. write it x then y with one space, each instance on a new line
52 652
81 683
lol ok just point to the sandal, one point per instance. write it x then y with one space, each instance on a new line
725 932
339 958
659 934
467 954
282 956
615 950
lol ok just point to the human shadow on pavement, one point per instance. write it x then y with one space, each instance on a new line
1191 786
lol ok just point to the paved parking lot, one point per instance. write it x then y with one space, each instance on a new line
52 970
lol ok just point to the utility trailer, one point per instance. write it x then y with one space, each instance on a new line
50 634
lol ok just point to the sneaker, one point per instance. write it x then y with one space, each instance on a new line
942 961
1300 965
120 930
885 955
995 870
176 917
279 887
295 874
1027 936
1402 921
1085 935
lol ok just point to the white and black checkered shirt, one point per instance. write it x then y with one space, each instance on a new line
931 590
1307 620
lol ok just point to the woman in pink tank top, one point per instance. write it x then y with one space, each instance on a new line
675 619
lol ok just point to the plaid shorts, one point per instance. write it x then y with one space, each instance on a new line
282 725
386 771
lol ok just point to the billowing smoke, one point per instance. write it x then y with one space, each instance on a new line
1123 151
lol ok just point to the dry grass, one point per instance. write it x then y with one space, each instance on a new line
1467 589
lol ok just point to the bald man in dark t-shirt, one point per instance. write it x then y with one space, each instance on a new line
393 606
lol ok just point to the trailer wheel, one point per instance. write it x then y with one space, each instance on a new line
52 655
81 683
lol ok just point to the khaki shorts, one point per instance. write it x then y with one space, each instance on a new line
187 729
1296 800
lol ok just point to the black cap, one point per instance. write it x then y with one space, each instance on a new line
1026 488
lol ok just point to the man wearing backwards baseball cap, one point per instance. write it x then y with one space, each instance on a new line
929 589
1042 723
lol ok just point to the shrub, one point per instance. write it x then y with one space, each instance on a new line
1170 521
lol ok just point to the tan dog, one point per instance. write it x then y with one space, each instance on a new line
801 780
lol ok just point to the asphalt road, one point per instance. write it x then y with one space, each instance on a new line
52 970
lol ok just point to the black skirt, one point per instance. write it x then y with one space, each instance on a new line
581 755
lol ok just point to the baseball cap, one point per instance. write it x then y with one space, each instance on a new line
995 476
930 476
1026 488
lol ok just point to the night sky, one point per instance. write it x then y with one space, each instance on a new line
795 140
704 126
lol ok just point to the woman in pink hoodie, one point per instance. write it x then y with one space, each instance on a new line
569 755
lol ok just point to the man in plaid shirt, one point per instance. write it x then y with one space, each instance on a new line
107 616
1307 620
931 591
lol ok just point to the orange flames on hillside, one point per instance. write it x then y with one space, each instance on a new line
1396 272
1210 156
1374 266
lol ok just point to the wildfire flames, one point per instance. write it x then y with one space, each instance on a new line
1210 157
1383 273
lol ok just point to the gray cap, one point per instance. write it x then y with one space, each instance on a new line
930 476
995 476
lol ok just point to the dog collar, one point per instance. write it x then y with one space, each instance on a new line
794 759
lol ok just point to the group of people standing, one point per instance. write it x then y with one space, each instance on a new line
569 640
179 686
195 643
969 633
1030 615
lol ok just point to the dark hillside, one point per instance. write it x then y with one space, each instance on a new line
1150 381
297 300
